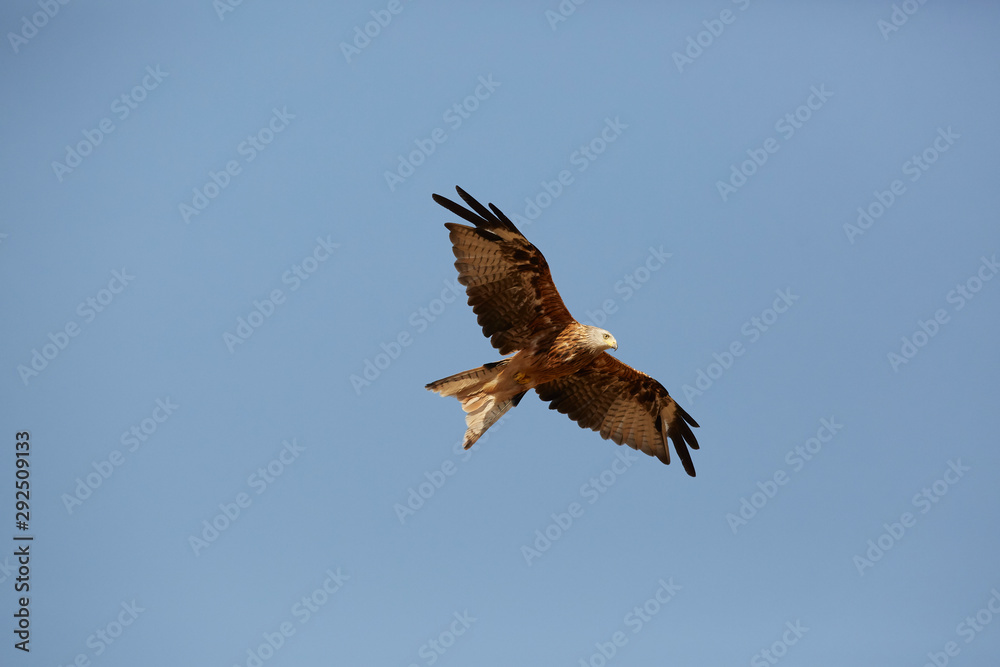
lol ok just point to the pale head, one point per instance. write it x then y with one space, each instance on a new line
601 339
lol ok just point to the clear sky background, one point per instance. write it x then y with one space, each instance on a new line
226 285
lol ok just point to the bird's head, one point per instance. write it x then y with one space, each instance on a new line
601 339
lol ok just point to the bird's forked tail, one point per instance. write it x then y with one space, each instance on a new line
477 391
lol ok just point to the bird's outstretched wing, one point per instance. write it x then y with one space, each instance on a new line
625 405
506 278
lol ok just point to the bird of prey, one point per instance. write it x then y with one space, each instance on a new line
510 288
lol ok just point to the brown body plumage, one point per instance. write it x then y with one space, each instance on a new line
511 291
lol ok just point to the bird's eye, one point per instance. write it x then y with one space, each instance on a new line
606 336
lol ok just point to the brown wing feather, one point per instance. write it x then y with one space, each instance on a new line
506 278
625 405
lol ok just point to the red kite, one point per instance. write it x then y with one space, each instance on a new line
511 290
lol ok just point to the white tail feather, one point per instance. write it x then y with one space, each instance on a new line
476 390
481 413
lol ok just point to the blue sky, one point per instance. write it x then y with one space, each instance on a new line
228 285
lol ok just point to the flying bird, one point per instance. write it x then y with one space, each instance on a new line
510 288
